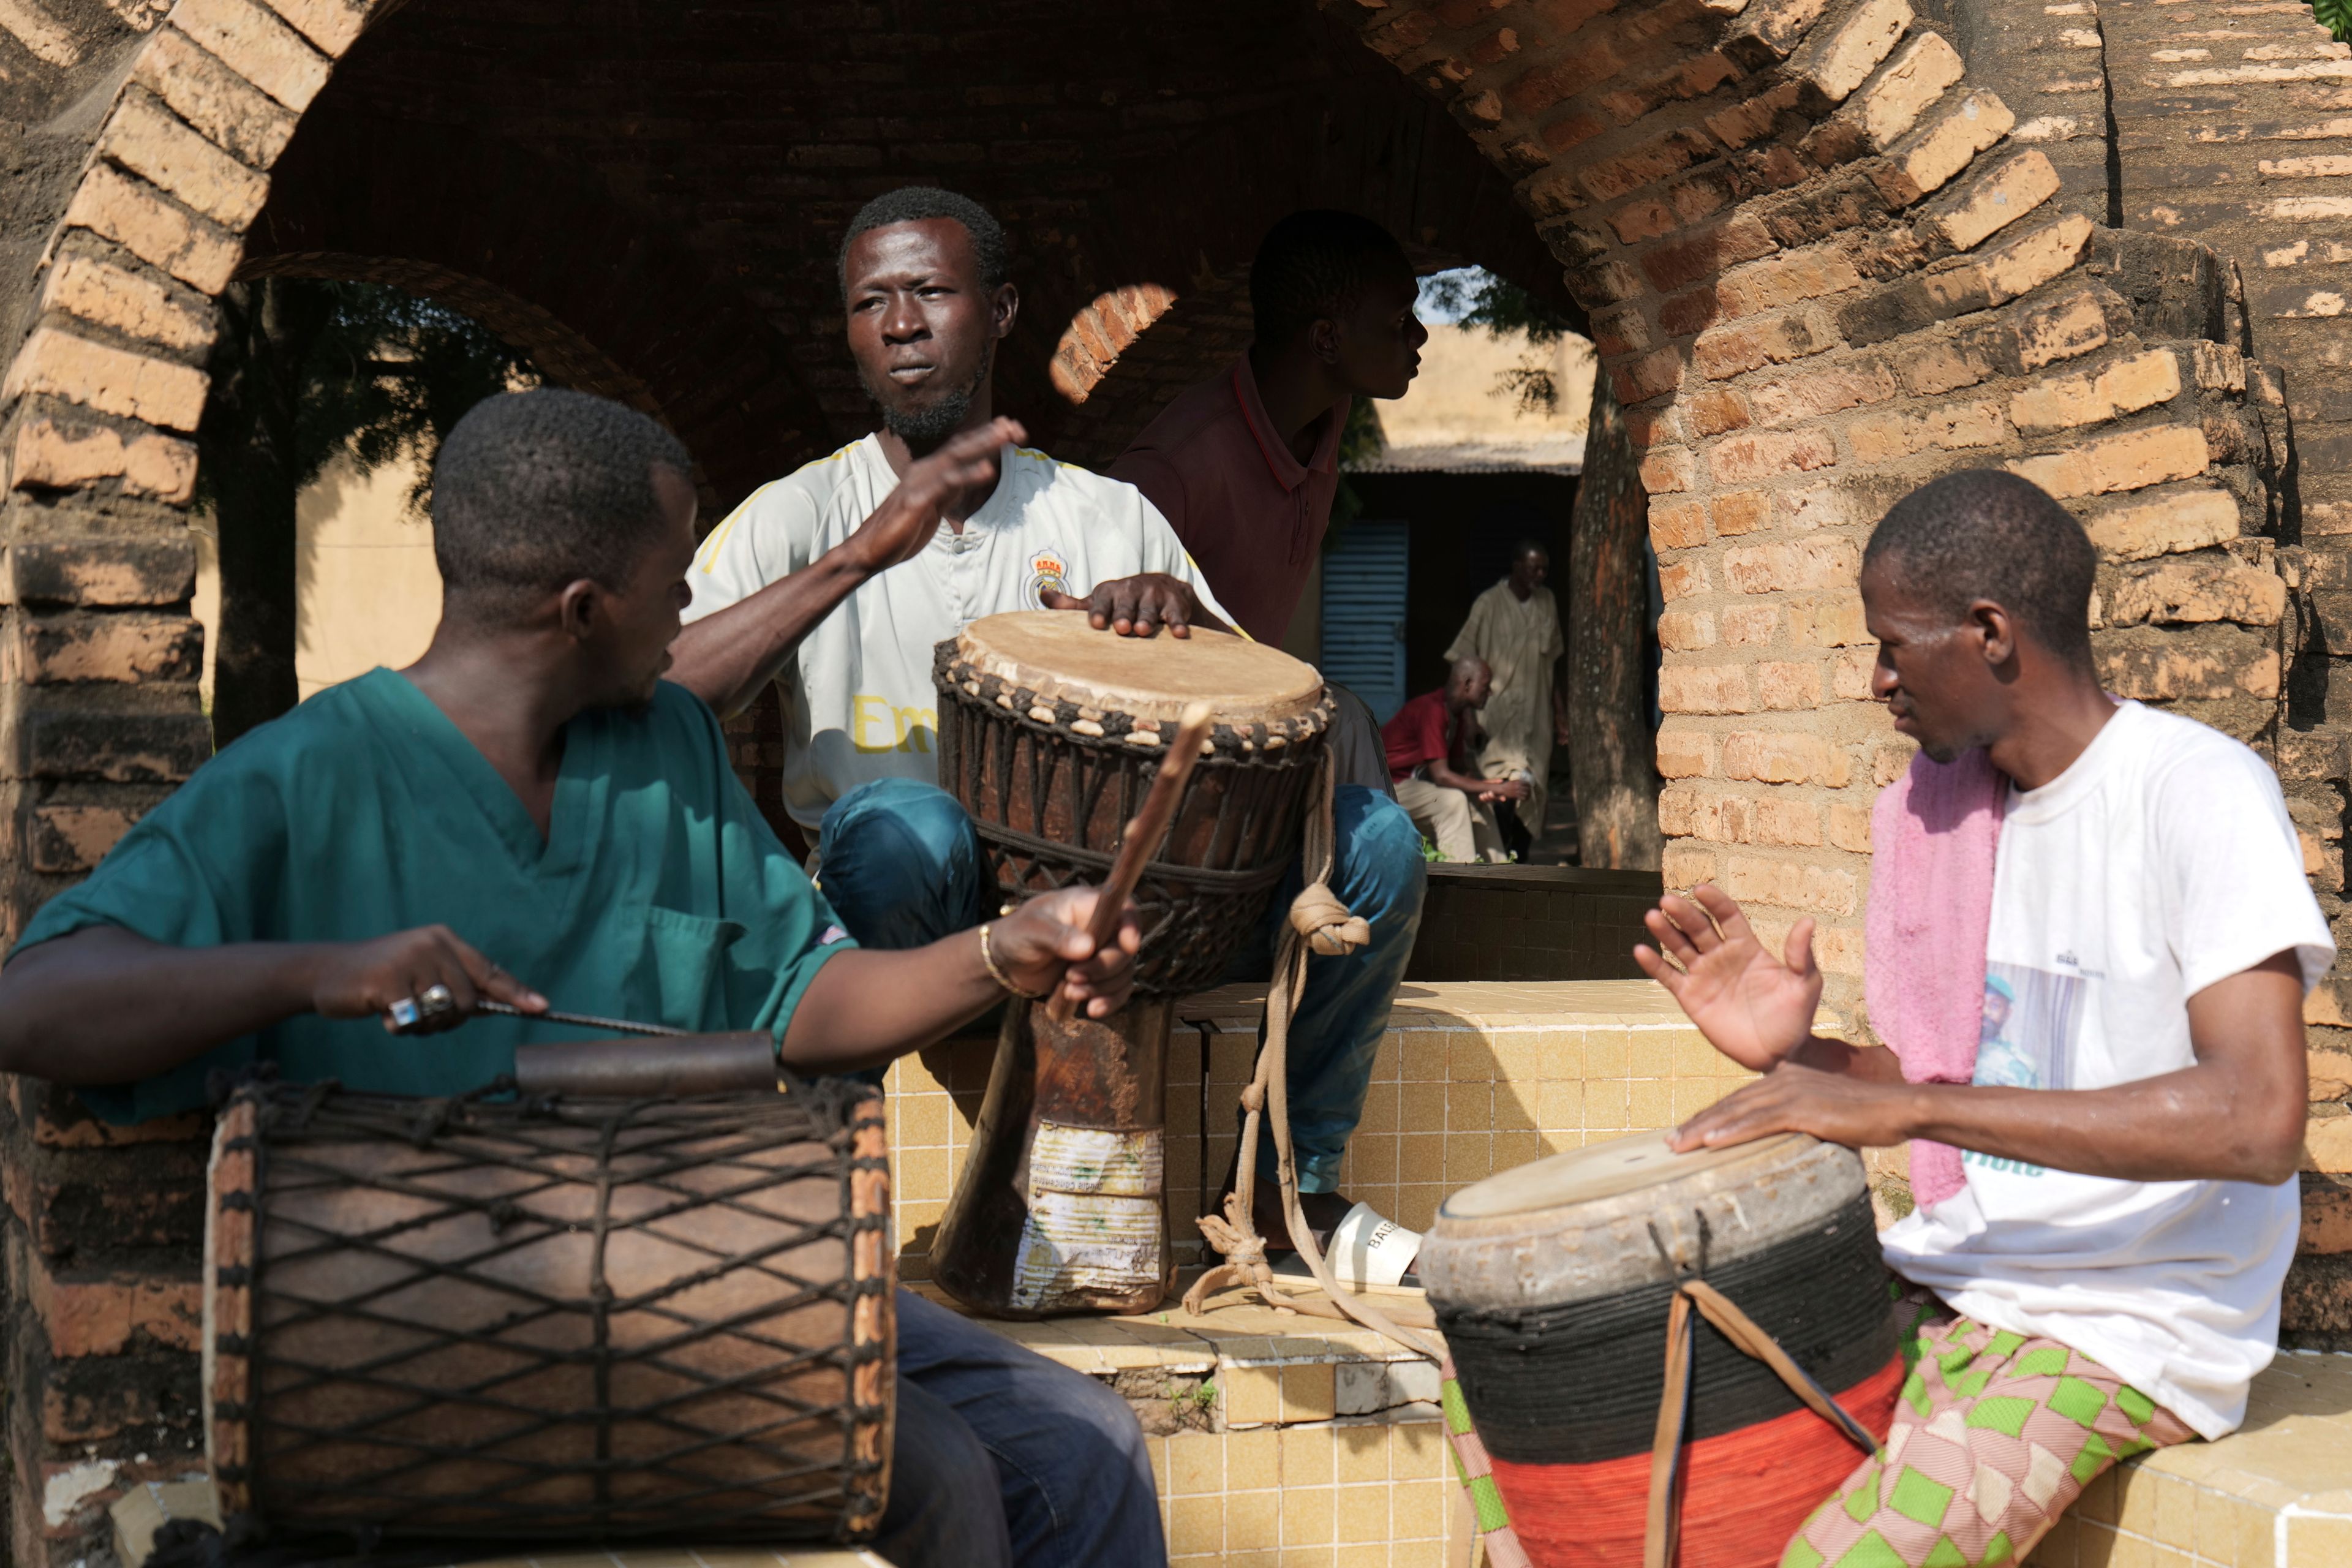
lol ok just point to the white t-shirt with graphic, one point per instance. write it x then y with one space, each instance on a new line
859 700
2160 862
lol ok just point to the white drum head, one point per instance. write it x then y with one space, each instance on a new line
1599 1170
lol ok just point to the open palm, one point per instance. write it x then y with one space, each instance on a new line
1753 1008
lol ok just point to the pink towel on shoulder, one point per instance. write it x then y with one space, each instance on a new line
1933 837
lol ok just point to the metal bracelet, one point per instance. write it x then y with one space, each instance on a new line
988 959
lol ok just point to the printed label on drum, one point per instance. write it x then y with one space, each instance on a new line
1095 1220
1095 1160
1076 1244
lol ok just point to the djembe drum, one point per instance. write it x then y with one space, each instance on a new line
559 1319
1050 733
1552 1283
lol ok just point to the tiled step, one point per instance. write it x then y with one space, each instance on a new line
1471 1078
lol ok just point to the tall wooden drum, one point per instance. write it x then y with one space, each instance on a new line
1050 733
1552 1284
554 1321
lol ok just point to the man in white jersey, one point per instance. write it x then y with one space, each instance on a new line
2106 1277
840 580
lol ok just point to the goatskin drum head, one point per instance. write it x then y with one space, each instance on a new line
1056 654
1596 1171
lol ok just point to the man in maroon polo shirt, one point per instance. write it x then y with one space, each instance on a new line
1245 466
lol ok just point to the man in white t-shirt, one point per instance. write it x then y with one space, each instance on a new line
839 581
2106 1277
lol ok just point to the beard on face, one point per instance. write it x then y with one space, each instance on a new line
924 423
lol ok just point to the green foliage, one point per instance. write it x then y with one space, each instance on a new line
375 374
2336 16
1476 297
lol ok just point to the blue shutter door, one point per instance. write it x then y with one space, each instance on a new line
1364 585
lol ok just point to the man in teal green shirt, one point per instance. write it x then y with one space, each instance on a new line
530 812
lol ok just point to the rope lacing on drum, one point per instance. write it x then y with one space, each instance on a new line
694 1164
1322 923
1666 1469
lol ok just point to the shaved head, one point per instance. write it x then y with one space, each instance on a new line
1985 534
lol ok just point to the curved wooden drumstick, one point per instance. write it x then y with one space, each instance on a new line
1144 831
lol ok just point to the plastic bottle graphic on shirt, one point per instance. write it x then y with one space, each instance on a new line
2031 1018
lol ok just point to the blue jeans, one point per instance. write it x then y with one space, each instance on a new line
1005 1457
901 866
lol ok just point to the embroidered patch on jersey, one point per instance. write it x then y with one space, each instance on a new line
1046 575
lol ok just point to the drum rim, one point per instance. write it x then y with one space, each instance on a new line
982 674
1684 1167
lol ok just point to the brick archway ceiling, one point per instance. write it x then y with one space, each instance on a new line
671 185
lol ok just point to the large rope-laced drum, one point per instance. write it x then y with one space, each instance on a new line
551 1320
1050 735
1556 1284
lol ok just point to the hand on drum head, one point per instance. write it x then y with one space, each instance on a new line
1836 1108
353 979
1045 944
1139 605
1751 1007
909 515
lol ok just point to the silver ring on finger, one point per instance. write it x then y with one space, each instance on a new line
435 1003
405 1015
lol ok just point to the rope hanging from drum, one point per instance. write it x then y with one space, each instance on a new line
1319 923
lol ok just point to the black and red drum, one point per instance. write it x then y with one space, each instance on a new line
1050 735
555 1319
1552 1284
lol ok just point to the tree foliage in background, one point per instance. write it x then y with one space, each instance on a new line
1476 297
305 370
2336 16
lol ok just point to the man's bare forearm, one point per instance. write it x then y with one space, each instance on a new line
2212 1121
2179 1126
869 1006
727 657
105 1007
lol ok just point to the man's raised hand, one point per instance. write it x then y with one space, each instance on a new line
352 980
909 515
1751 1007
1139 605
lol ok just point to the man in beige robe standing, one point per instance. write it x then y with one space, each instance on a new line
1513 628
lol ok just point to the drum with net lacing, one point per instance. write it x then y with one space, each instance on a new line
1553 1284
1050 733
553 1319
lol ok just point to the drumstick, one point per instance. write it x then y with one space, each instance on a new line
618 1026
1144 831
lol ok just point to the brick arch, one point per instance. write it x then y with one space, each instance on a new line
1821 271
566 357
557 264
100 397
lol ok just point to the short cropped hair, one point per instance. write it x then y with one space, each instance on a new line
1984 533
1313 266
534 490
918 204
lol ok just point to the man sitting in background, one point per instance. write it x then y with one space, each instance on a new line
1428 745
1513 628
529 810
